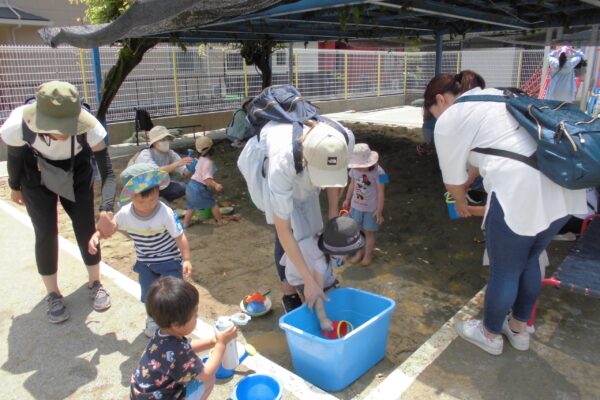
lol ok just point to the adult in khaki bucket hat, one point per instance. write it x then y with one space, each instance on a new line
57 109
49 159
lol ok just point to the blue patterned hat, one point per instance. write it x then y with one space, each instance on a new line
140 177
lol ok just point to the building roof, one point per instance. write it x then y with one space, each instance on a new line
309 20
15 16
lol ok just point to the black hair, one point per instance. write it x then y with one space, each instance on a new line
562 59
149 191
171 300
210 152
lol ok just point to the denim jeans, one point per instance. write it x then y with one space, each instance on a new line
515 277
174 191
148 273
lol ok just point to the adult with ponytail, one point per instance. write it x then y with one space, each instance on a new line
524 211
562 63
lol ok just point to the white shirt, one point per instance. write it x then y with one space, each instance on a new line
12 134
530 201
315 259
153 236
291 196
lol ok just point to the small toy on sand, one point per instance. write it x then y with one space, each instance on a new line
256 304
340 329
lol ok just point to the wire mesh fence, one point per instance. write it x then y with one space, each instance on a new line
171 82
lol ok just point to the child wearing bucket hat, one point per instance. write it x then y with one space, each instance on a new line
365 197
340 238
160 244
197 194
169 365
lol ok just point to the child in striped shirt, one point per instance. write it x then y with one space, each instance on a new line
160 244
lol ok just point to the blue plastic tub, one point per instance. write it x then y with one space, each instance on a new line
257 387
334 364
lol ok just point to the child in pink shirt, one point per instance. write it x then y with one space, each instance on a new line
198 195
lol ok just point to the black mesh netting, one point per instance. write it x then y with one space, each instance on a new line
152 17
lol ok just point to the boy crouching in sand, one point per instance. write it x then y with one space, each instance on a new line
169 362
160 244
340 238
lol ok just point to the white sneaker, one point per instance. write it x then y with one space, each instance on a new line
565 237
519 341
531 329
472 331
151 327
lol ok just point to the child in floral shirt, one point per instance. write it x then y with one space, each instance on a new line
169 362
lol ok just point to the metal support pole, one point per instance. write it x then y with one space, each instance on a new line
346 76
97 73
175 85
378 74
83 76
290 63
549 33
438 52
590 74
519 67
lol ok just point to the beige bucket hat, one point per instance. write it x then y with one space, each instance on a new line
158 133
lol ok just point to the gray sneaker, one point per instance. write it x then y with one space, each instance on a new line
57 311
99 296
151 327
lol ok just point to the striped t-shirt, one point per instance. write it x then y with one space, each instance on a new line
154 235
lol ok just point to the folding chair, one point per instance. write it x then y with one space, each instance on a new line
143 122
580 270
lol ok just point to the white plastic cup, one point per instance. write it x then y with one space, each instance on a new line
230 356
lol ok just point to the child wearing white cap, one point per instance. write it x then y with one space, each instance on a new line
365 197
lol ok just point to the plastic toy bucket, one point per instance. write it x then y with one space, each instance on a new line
257 387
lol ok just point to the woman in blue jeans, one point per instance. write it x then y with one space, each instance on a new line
525 210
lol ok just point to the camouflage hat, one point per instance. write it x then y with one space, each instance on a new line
140 177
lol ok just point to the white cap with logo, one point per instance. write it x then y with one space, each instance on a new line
326 153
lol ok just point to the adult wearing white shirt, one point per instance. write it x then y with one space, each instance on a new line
291 199
525 208
50 143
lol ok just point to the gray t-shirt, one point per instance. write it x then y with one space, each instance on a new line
159 158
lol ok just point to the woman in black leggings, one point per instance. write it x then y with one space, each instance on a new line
50 145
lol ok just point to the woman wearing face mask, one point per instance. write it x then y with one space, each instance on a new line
166 160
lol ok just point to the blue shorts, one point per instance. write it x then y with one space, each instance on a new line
148 273
365 219
198 196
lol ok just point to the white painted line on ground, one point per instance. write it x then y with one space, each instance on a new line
291 382
398 382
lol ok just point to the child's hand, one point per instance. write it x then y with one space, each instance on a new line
227 335
346 204
187 269
93 244
218 187
185 161
378 214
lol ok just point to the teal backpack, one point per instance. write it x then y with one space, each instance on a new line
568 139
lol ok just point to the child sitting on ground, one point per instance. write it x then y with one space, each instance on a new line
160 244
365 197
197 194
169 362
341 237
